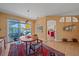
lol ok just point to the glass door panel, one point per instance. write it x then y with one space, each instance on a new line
13 30
26 29
16 28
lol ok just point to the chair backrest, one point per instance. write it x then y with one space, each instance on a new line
64 40
74 40
36 41
35 44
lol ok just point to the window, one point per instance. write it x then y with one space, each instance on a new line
62 19
26 28
68 19
74 19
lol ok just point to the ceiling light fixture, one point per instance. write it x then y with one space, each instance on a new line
28 12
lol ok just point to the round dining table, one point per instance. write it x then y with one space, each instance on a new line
27 41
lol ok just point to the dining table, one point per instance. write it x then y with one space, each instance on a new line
27 42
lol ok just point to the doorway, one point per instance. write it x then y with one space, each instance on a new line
51 30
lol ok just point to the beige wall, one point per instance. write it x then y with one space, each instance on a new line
3 23
41 21
71 34
59 28
60 32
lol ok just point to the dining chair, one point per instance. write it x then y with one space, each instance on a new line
65 40
74 40
35 47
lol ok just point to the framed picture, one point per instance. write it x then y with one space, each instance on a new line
70 28
39 28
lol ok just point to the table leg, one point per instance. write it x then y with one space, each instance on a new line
26 48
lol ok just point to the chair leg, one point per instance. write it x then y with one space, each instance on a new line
41 49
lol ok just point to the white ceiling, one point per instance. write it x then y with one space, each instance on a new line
40 9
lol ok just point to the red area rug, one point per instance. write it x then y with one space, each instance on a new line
20 50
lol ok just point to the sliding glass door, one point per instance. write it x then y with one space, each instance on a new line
16 28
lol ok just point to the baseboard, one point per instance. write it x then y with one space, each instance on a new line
58 40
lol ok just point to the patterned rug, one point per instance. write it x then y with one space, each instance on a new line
20 50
